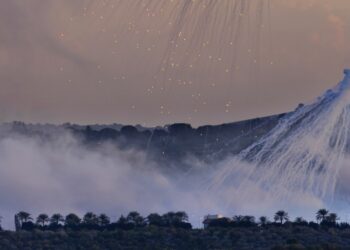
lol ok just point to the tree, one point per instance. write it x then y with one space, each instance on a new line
281 216
172 218
299 220
238 218
176 219
321 215
123 223
155 219
136 219
263 221
122 220
182 216
103 220
42 219
332 218
56 219
90 219
72 220
24 217
244 221
220 222
169 218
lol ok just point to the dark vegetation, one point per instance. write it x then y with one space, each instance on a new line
170 145
173 231
91 221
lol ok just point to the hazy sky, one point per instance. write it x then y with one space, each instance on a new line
87 61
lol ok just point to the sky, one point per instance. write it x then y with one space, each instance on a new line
117 61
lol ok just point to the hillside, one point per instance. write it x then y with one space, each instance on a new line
169 145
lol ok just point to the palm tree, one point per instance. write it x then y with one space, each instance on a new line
321 214
24 217
103 220
72 220
56 219
42 219
281 216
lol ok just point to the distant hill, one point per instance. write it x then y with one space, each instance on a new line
171 145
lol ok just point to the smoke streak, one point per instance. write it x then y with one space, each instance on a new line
302 156
195 26
63 175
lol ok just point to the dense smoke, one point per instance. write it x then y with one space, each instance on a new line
303 160
61 174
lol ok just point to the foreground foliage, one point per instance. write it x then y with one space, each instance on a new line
154 237
172 231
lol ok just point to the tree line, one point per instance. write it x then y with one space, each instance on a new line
92 221
324 218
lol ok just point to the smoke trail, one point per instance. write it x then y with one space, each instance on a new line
199 24
193 26
302 156
215 40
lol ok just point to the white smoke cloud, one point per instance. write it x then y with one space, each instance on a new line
64 175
